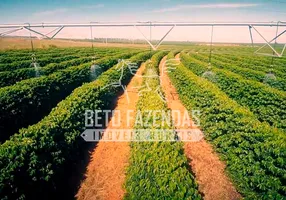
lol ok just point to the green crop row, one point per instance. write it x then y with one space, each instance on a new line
251 74
27 57
268 104
157 170
247 62
45 60
83 52
28 101
18 55
41 154
253 63
11 77
254 152
41 52
266 61
26 62
14 59
249 55
41 62
252 66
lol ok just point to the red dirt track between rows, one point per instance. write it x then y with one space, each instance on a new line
106 172
209 171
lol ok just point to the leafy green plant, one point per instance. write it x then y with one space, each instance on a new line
41 62
26 102
158 170
41 152
254 152
219 62
11 77
256 63
268 104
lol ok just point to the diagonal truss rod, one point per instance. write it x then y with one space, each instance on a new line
60 26
10 31
58 29
31 30
283 50
160 42
146 39
267 43
52 31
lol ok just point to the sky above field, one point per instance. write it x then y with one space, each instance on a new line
70 11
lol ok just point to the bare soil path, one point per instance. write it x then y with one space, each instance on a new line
106 171
209 171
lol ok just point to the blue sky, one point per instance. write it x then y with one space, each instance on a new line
15 11
68 11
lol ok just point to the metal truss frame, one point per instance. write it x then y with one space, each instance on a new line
10 31
60 26
268 43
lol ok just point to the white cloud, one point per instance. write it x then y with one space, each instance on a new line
64 10
51 12
92 6
189 6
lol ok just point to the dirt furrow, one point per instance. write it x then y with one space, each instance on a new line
106 171
208 169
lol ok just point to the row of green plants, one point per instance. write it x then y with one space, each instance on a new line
157 170
268 104
14 59
34 163
11 77
241 54
47 60
251 74
222 50
255 63
46 55
248 62
278 62
41 62
41 52
26 62
17 55
254 152
28 101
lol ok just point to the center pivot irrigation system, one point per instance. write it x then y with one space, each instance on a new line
60 26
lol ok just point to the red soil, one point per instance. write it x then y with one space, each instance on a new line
208 169
106 171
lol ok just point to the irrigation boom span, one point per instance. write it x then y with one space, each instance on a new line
60 26
130 24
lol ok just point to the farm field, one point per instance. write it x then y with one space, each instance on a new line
45 96
24 43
